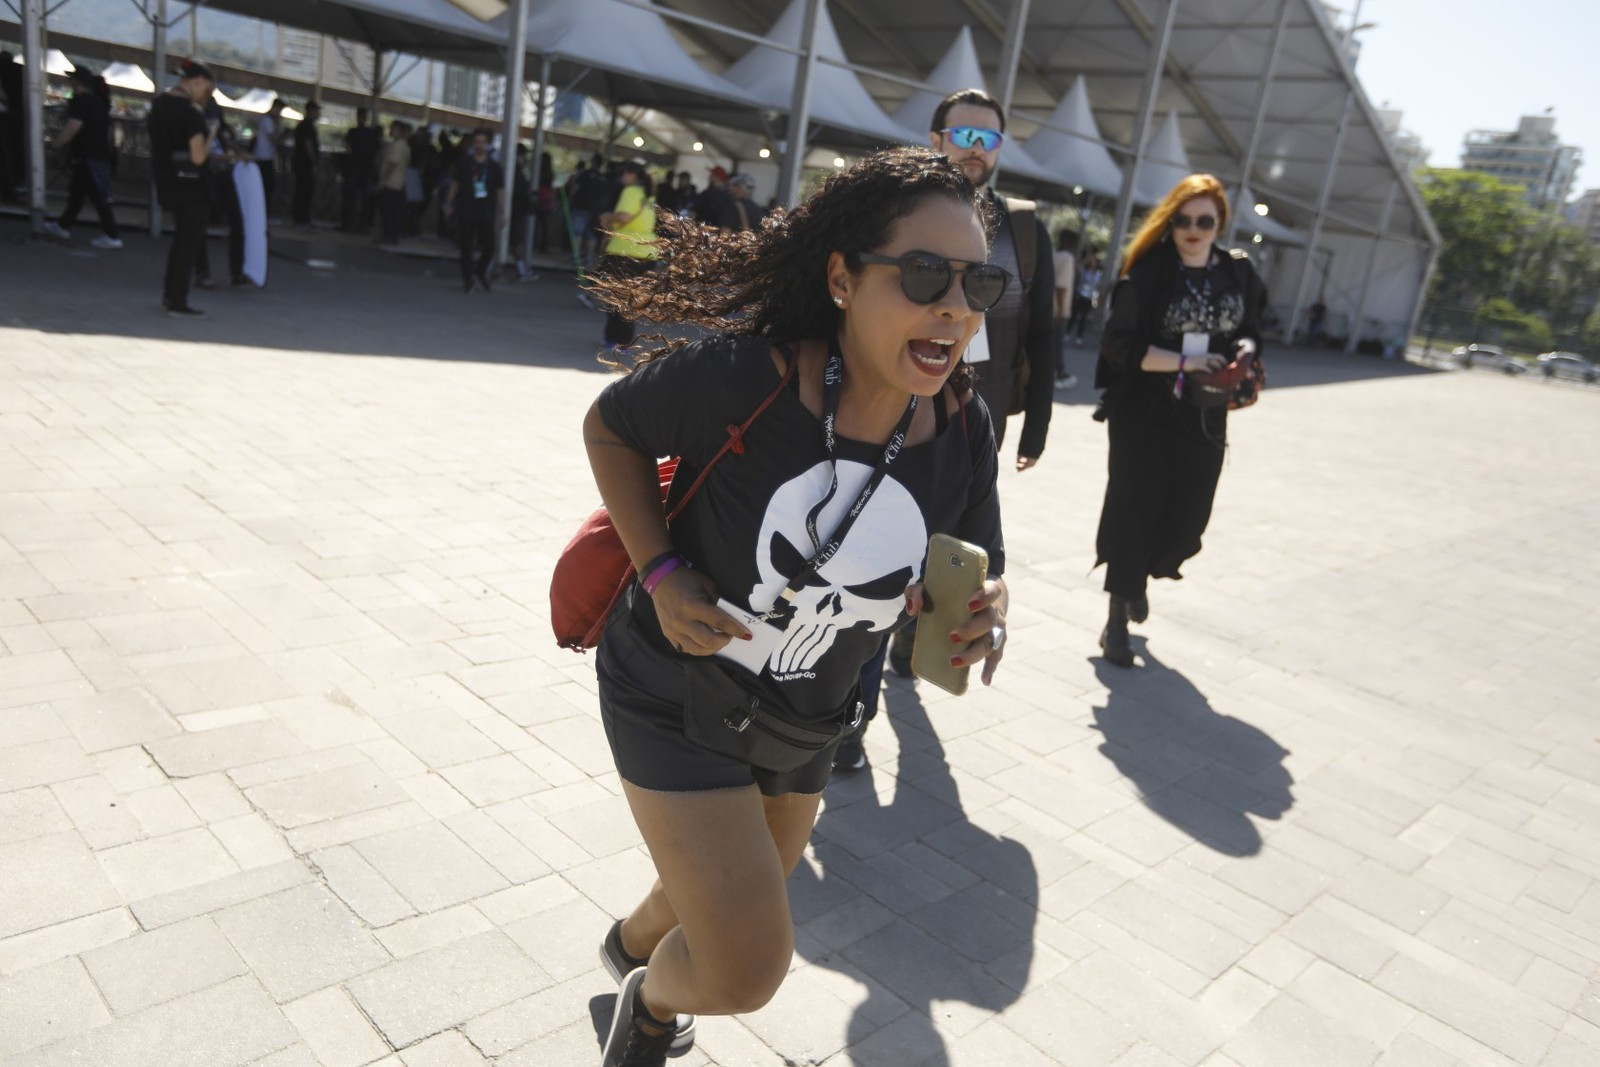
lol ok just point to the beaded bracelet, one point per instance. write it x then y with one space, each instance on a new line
666 567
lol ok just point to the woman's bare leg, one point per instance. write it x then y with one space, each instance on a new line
723 856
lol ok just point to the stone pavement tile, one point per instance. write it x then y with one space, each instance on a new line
577 1044
165 864
32 722
1488 1011
994 1044
161 631
1467 864
298 765
252 841
1460 1046
530 1018
50 879
441 735
541 837
1555 985
196 722
26 813
919 970
851 920
521 901
1406 903
50 943
34 670
296 1055
449 1049
1468 934
495 843
443 987
907 1040
325 794
431 692
218 682
47 1003
185 1032
300 940
437 796
150 968
321 722
1358 1008
493 779
1174 929
430 866
160 810
1155 1013
167 908
188 755
1277 961
360 886
578 739
1057 1020
1409 1050
422 932
335 1029
810 1019
1291 1031
1142 1055
563 941
357 827
1235 998
1325 929
42 763
1276 879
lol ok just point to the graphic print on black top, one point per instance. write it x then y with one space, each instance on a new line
861 589
746 527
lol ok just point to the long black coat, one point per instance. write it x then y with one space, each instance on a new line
1166 454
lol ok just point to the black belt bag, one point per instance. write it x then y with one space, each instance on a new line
723 716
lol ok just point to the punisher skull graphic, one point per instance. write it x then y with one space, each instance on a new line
861 586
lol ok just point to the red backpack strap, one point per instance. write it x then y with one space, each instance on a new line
735 439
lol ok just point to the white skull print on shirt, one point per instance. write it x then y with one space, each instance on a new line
859 591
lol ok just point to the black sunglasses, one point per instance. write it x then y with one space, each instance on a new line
926 277
1204 222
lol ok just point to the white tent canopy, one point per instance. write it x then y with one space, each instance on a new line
1076 160
837 96
127 76
1244 209
1165 163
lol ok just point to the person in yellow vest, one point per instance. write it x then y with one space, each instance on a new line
630 245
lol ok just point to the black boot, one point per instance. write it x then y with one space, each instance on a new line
1114 638
1138 608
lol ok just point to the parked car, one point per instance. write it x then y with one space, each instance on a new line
1568 365
1489 356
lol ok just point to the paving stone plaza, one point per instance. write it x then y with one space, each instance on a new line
292 772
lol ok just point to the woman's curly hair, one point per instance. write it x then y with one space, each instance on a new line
772 282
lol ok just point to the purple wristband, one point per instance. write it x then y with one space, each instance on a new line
653 579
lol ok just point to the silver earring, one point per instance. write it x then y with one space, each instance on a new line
838 301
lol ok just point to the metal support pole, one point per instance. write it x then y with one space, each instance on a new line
1010 54
158 73
1372 263
1243 188
377 85
1147 105
538 150
800 106
1317 219
33 30
511 132
1422 297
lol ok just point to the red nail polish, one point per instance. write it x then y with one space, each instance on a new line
955 639
955 661
974 605
747 637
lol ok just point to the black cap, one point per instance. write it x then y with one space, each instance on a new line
82 75
193 68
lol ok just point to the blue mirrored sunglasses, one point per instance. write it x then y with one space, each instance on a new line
970 136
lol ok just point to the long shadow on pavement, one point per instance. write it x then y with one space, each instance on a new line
930 906
1202 772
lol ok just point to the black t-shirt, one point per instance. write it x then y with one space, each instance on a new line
749 218
93 139
173 122
476 184
746 527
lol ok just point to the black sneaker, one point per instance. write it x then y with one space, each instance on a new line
185 312
628 1044
851 755
619 965
900 645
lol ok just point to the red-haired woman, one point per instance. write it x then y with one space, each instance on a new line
1182 308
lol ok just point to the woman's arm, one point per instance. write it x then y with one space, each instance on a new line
685 600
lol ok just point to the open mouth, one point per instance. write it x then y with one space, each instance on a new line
933 354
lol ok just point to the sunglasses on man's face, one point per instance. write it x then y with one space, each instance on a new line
926 277
1202 222
974 136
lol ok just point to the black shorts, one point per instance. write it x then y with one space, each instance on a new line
641 705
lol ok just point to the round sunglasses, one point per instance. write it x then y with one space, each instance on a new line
925 277
1202 223
968 136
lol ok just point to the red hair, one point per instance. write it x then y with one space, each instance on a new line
1155 224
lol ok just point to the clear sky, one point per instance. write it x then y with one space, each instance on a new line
1459 65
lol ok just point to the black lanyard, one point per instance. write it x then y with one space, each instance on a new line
832 386
1202 295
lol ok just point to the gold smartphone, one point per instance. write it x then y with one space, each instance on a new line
955 572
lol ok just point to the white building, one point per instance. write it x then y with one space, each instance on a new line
1530 156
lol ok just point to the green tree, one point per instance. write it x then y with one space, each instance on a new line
1557 275
1481 221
